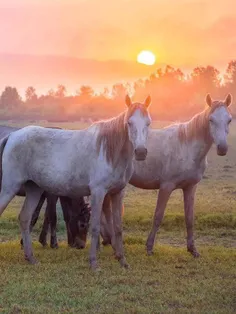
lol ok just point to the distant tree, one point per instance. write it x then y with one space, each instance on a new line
30 95
206 79
10 98
85 93
230 76
51 93
61 91
119 91
105 93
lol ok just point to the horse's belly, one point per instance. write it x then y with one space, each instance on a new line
188 181
80 191
144 183
62 186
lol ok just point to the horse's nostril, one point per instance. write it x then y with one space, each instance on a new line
222 149
81 246
141 151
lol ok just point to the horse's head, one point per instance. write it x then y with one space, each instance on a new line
138 121
219 120
79 226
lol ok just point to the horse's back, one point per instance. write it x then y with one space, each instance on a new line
52 158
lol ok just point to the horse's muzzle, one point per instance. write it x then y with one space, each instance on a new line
79 243
140 153
222 149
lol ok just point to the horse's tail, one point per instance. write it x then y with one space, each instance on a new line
2 146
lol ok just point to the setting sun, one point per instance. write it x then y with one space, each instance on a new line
146 57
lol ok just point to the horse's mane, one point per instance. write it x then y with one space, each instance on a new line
198 126
113 132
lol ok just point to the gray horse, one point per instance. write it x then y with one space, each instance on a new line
96 161
75 212
177 157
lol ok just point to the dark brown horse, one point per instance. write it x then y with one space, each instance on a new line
76 213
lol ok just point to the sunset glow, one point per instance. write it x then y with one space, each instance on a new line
146 57
74 42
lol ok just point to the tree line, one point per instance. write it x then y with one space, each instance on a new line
175 96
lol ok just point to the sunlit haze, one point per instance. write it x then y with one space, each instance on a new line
98 42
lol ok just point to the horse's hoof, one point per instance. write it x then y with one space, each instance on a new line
43 242
125 265
106 242
150 252
72 245
193 252
32 260
95 268
54 245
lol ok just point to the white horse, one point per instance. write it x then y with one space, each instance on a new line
96 161
177 160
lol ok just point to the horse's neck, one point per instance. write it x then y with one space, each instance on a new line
126 151
114 136
203 140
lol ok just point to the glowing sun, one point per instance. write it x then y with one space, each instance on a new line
146 57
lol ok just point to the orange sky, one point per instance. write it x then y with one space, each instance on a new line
181 32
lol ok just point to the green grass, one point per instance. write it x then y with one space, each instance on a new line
170 281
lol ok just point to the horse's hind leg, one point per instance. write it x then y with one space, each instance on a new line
189 194
33 194
163 197
5 198
8 191
66 210
52 215
35 215
44 231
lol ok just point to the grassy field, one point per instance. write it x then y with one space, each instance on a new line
170 281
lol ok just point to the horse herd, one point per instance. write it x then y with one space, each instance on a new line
50 163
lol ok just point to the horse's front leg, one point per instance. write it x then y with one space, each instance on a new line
162 199
33 194
97 198
189 195
45 227
117 210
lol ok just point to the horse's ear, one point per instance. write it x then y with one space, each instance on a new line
228 100
208 100
128 101
147 101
